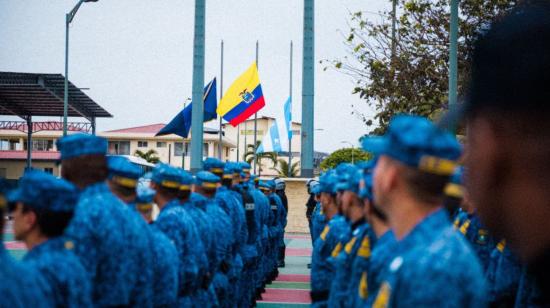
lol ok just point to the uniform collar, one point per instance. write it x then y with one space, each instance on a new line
55 243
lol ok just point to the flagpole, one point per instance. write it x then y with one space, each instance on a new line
238 141
290 124
221 94
256 117
197 117
245 137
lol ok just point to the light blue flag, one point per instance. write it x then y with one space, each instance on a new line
288 117
271 142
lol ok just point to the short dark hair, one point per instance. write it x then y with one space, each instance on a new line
168 193
123 190
425 187
184 194
85 170
51 224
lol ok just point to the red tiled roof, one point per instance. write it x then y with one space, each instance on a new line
147 129
22 155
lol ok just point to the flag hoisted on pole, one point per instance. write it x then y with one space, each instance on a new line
243 98
275 140
181 123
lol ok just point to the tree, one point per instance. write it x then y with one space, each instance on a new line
344 156
282 168
150 156
415 78
249 156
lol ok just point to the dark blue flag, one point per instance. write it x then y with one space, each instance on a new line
181 124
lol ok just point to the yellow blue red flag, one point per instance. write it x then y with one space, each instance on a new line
243 98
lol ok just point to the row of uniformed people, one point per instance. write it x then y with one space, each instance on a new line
383 237
92 241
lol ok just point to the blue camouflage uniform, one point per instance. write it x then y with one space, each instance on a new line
124 174
107 241
432 265
503 276
277 223
223 240
328 244
529 294
165 260
318 220
68 280
176 223
478 236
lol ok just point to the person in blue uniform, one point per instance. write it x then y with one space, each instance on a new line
106 239
361 236
206 184
43 207
322 271
318 220
176 223
432 262
165 256
503 276
122 181
21 286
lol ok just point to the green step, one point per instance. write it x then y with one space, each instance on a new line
289 285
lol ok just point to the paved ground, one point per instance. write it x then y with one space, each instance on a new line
291 289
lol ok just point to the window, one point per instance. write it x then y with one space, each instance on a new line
40 145
48 170
161 144
142 144
119 147
179 148
9 145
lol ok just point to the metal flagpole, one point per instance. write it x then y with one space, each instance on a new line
198 84
221 94
308 91
256 118
290 135
238 142
453 55
245 137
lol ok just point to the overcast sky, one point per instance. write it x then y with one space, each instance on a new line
136 55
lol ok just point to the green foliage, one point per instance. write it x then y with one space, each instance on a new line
248 156
150 156
415 78
344 156
282 168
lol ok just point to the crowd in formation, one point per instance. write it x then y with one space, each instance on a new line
216 242
399 230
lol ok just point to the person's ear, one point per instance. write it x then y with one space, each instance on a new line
28 218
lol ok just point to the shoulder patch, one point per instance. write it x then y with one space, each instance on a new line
323 235
501 245
383 298
350 244
364 250
336 250
363 287
464 228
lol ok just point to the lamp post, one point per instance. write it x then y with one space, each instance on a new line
352 151
68 19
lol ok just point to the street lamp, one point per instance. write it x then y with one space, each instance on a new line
68 19
352 151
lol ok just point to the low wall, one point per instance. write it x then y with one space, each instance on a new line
297 195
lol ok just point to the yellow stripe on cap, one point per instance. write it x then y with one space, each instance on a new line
209 185
169 184
185 187
228 176
454 190
216 170
144 207
124 181
436 165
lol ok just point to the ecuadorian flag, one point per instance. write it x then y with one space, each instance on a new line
243 98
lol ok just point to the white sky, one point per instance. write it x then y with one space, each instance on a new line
136 55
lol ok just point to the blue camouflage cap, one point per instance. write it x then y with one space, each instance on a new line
327 182
144 199
186 180
455 187
206 179
315 188
345 173
228 171
123 172
264 185
43 191
166 176
254 178
76 145
418 143
213 165
245 167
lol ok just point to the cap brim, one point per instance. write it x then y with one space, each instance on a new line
376 145
451 120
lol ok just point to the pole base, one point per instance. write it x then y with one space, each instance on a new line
307 173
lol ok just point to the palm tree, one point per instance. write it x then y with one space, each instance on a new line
150 156
282 169
249 156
